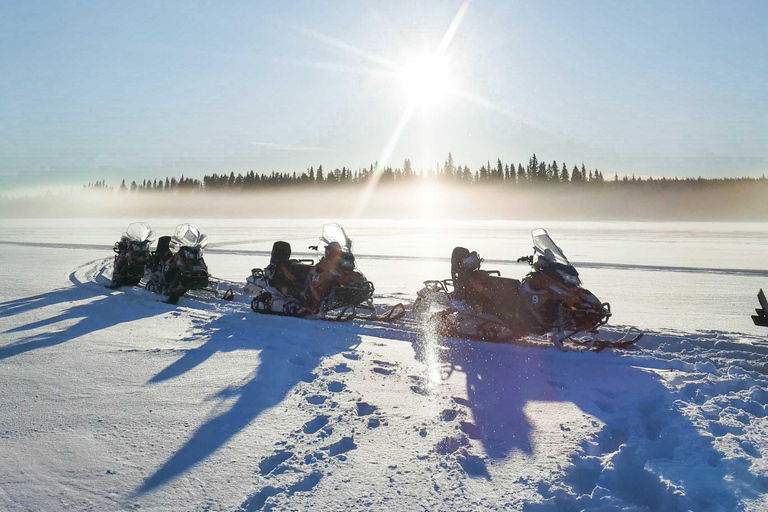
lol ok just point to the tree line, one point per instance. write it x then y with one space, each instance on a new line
535 173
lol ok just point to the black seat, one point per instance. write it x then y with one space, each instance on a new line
162 252
163 246
457 271
494 293
285 274
281 253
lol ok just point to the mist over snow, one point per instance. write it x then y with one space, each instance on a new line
737 201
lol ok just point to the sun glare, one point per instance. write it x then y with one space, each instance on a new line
426 79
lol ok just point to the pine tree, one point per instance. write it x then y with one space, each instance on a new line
450 168
564 174
533 169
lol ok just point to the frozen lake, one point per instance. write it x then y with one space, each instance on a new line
114 400
663 276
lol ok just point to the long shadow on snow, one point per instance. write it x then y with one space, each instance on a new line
111 309
79 291
290 350
502 379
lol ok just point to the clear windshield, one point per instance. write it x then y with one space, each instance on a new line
139 232
335 233
545 247
188 235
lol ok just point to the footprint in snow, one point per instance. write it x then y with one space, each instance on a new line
307 483
344 445
364 409
462 401
335 386
342 368
316 424
451 444
472 465
448 414
316 399
268 465
382 371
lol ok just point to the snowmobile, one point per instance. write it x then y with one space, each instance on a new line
761 318
132 255
550 300
177 265
331 289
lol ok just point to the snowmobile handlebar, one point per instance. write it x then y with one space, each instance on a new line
527 259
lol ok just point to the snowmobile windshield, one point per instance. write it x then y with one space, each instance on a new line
335 233
188 235
139 232
545 247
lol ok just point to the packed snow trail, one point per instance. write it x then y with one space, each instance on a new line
121 402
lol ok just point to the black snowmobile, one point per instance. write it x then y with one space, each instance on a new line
132 255
331 289
550 300
177 265
761 316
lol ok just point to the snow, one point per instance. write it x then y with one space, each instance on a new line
113 400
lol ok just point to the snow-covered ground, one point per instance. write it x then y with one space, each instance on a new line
112 400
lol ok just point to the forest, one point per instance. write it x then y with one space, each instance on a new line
536 173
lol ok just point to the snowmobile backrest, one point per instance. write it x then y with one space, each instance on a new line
281 252
457 259
163 245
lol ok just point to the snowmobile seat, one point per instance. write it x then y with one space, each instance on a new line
300 270
480 287
163 250
459 274
161 253
281 253
286 274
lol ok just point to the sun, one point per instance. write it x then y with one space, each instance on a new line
426 79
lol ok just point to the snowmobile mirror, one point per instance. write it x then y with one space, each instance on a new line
313 247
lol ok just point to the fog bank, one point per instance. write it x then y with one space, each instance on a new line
725 202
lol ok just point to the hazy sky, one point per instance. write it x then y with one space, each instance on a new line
94 90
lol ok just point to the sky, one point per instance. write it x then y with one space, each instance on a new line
143 90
